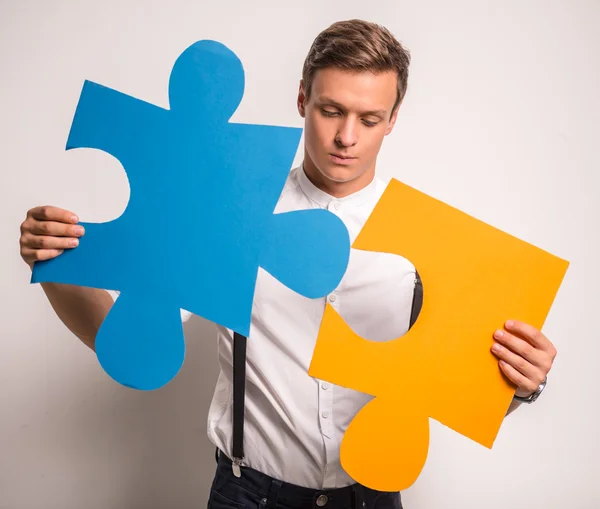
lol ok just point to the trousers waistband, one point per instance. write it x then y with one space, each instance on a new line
291 495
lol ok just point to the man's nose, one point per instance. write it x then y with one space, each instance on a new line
347 135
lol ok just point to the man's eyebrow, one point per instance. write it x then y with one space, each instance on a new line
324 99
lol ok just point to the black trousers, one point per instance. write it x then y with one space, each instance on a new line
255 490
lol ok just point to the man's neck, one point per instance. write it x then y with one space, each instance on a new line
333 188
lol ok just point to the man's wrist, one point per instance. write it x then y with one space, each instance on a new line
522 394
530 398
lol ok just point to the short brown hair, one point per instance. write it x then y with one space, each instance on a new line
357 45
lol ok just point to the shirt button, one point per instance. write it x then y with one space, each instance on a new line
325 415
336 205
322 500
332 297
324 386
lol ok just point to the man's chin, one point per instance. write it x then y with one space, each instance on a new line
340 174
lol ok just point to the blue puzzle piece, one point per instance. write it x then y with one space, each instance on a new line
200 217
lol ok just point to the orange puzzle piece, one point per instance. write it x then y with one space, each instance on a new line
442 367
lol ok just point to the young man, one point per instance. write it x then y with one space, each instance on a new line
353 82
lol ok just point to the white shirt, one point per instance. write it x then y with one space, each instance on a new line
294 423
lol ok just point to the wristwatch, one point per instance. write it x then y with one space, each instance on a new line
531 398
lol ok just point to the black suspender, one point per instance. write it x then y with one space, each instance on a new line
417 302
239 379
239 395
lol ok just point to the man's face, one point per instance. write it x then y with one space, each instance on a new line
346 118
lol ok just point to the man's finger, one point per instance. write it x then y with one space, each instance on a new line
517 362
38 255
517 378
49 213
522 347
528 332
56 229
48 242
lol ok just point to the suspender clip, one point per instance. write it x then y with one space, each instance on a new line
236 467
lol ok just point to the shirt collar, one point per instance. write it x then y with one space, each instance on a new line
324 199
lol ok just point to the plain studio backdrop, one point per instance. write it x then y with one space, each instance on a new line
501 120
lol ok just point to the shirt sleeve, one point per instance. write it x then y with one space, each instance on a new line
185 315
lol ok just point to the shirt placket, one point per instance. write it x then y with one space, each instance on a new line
326 402
327 431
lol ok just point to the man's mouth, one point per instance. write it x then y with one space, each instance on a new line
340 159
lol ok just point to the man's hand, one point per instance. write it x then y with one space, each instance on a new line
525 355
47 232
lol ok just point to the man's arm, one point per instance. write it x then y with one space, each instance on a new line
45 234
81 309
513 406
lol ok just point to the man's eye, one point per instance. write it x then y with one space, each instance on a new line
368 123
329 113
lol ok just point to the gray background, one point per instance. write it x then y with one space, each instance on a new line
501 120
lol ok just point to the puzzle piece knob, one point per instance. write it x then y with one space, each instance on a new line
207 83
392 458
140 343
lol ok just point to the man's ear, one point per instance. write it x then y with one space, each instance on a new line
301 100
392 121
